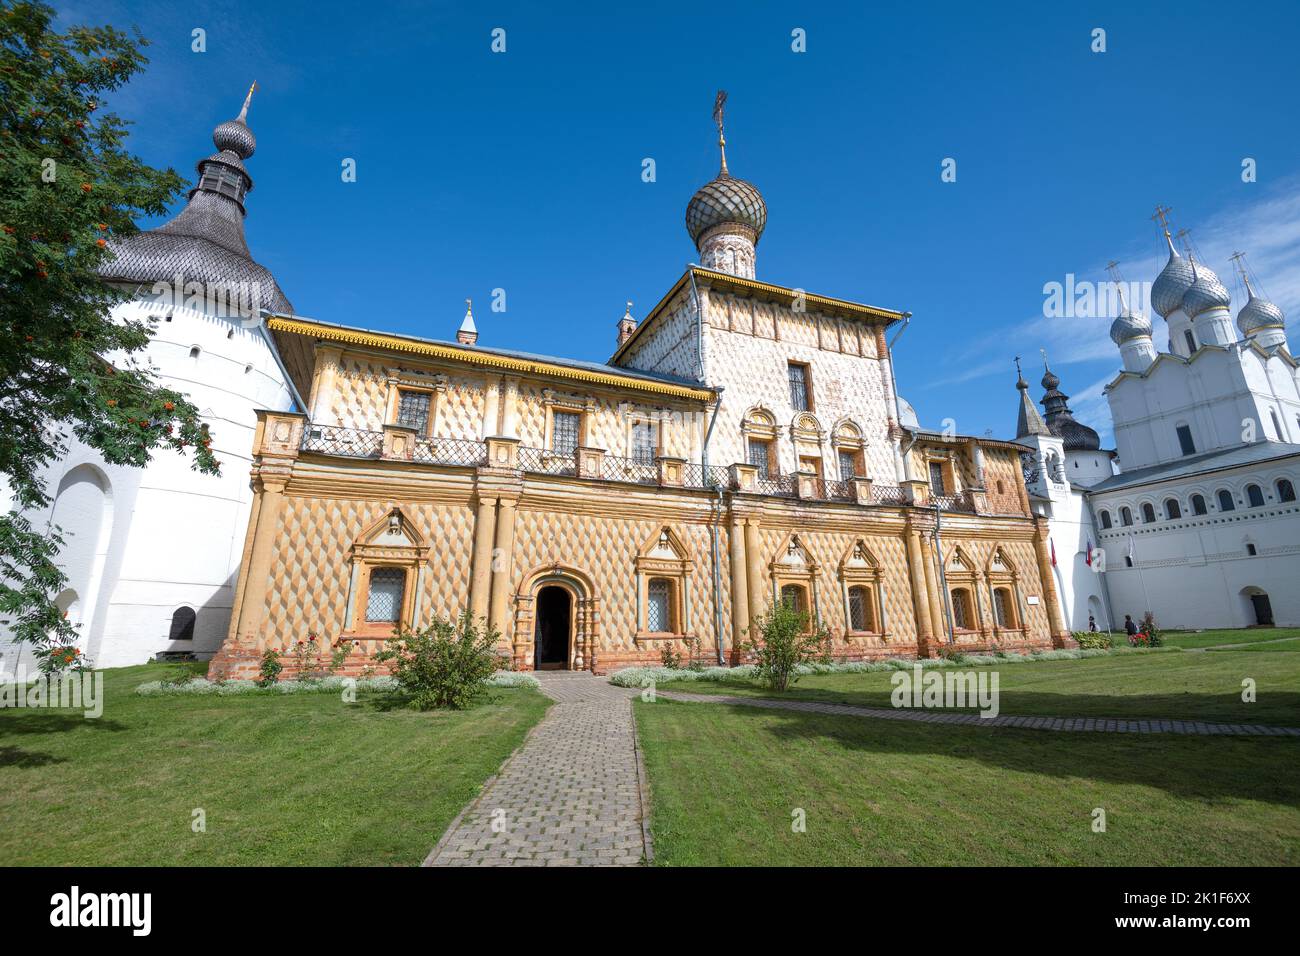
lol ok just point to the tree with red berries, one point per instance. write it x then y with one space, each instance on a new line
68 186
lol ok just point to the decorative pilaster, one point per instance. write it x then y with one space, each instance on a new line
502 561
503 453
1060 634
591 462
399 443
920 595
739 585
672 471
861 490
744 478
480 585
754 574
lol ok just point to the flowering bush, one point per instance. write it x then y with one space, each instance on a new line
270 669
446 664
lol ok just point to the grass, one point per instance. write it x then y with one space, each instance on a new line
283 780
725 781
1179 686
1288 646
1213 638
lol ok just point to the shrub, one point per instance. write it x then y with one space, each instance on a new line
670 658
446 664
1089 641
785 646
271 668
1151 629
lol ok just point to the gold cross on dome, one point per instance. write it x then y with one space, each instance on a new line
1162 217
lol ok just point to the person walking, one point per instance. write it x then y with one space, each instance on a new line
1092 624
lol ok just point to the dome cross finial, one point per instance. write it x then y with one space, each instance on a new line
243 113
719 104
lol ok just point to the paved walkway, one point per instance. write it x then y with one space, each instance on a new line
1233 647
1094 724
571 795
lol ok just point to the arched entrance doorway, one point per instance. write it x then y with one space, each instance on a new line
552 628
1259 610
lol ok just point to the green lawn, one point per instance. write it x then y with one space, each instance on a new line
1173 685
1213 638
725 781
1292 645
284 780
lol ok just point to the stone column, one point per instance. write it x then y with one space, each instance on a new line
256 574
756 581
739 586
938 619
510 409
920 596
502 559
1060 634
491 406
480 585
322 392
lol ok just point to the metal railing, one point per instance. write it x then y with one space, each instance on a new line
336 440
362 443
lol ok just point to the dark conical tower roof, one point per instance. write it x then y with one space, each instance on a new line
1060 420
1028 422
205 242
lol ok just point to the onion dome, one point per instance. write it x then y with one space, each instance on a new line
1174 280
1129 325
726 200
1258 313
1206 292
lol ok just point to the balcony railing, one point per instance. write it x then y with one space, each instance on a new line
360 443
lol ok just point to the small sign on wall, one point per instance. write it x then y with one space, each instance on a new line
1031 599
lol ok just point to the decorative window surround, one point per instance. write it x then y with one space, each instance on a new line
390 542
665 557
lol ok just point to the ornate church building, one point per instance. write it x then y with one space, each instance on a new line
1200 524
744 444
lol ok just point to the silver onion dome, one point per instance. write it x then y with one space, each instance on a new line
1259 314
1205 293
1130 325
235 137
726 200
1172 283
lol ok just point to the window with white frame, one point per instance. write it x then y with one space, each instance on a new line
658 609
565 428
413 409
384 599
645 441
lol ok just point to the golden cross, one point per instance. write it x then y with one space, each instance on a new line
1162 217
1183 234
1113 268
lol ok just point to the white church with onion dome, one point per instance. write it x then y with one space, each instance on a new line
1198 520
151 555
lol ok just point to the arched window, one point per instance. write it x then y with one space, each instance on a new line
1173 509
387 588
182 624
793 596
1126 516
658 608
194 351
1255 495
861 616
1285 490
1003 608
1105 519
963 613
1148 513
1198 505
1225 500
1250 549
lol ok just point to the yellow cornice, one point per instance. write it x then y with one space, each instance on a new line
469 356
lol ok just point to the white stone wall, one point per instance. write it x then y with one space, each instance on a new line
1196 571
165 536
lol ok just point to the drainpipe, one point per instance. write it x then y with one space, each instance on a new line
903 453
943 577
713 531
699 324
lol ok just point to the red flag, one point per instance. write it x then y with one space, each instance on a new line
1052 544
1089 557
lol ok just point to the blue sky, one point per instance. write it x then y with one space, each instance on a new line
522 170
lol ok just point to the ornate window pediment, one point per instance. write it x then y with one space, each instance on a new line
387 570
758 423
806 428
663 574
